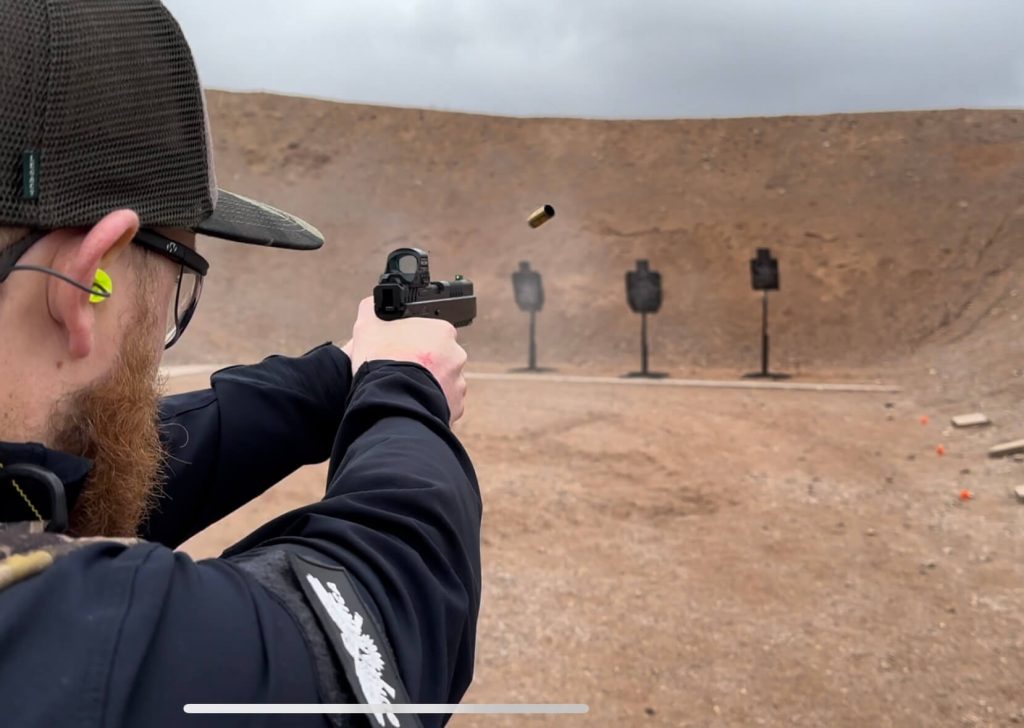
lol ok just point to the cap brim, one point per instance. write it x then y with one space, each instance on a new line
243 220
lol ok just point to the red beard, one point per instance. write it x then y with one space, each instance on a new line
113 422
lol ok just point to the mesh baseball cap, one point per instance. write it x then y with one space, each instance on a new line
101 109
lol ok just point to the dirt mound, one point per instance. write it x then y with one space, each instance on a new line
895 231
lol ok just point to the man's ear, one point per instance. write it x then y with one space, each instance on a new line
79 259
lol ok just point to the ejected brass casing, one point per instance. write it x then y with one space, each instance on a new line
541 215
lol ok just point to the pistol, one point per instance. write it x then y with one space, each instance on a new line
405 290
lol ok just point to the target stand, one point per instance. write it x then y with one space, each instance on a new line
764 277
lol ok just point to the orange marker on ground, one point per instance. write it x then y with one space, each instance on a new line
940 450
924 419
966 495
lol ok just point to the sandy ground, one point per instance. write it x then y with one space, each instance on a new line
679 557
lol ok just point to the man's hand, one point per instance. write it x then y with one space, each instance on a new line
430 343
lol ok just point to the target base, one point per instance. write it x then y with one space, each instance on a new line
776 376
645 375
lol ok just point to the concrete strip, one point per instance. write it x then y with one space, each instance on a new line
972 420
1007 448
186 370
699 383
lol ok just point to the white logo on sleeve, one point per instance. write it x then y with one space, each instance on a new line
360 646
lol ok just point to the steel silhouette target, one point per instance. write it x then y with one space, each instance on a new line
643 288
764 271
528 287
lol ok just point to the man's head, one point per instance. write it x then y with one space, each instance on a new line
105 164
81 369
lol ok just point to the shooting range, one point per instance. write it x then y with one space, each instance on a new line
704 549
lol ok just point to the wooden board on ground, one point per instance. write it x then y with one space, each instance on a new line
975 419
1007 448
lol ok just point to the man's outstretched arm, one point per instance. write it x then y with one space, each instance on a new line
400 522
401 517
254 426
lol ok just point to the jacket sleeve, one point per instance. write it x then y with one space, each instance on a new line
127 636
402 515
254 426
117 634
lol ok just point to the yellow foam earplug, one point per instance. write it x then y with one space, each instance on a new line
103 285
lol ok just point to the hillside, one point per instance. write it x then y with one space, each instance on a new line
896 232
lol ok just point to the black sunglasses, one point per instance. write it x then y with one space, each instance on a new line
192 268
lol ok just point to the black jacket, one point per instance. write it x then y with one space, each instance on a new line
126 635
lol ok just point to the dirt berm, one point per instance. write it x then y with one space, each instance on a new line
894 230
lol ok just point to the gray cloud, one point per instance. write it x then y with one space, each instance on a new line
618 58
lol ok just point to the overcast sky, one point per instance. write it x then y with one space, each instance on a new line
617 58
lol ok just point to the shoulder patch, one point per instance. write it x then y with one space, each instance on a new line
358 642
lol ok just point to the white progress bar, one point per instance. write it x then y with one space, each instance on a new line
360 708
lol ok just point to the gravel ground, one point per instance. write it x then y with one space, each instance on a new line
677 557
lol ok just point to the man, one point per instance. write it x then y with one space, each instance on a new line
369 595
